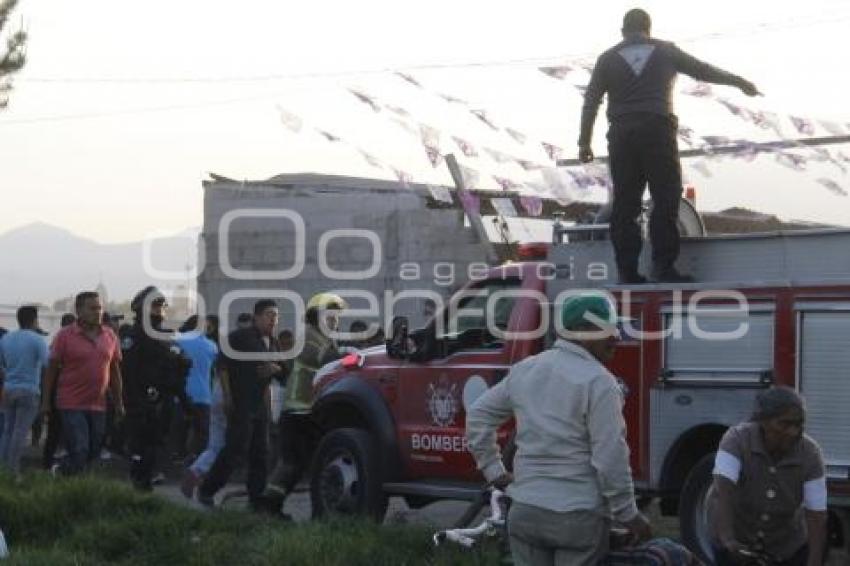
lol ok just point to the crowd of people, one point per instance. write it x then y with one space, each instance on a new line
130 388
141 390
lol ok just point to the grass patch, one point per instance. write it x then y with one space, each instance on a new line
93 521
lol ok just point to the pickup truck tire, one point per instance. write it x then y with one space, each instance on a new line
347 478
693 509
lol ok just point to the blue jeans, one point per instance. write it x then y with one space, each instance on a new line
21 408
83 432
218 426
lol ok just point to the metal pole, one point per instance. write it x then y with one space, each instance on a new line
735 147
473 215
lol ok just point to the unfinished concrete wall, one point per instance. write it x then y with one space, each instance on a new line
409 233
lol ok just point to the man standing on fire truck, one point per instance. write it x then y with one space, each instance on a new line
572 461
638 75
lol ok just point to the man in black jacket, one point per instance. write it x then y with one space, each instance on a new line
245 373
154 373
638 75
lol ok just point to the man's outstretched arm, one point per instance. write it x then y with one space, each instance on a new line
702 71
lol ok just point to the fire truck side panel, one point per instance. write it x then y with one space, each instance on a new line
708 379
823 376
627 366
432 416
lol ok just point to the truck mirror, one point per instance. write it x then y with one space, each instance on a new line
397 344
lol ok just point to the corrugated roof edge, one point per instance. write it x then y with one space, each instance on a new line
316 181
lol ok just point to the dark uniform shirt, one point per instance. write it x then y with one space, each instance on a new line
152 369
768 502
639 74
247 388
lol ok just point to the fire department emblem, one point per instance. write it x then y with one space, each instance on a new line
442 402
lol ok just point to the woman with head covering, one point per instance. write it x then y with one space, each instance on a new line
769 491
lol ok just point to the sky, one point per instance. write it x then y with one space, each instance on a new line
123 108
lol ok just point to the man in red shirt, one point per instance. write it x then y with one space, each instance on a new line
84 364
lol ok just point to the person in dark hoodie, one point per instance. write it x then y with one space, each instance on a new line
154 371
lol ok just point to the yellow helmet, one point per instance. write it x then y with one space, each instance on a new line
326 301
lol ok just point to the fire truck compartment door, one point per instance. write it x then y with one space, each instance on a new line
823 377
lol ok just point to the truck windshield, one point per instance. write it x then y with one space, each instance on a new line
471 310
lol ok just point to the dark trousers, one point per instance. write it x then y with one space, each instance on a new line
83 434
643 148
114 436
54 434
54 437
297 438
246 439
37 429
144 436
799 558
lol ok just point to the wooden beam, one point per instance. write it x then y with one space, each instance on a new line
473 215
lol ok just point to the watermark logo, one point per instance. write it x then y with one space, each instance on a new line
489 302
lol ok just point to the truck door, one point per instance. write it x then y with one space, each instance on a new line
627 365
434 394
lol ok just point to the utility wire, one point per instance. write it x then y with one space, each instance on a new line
549 60
318 74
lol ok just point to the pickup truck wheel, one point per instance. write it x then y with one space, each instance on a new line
693 509
346 477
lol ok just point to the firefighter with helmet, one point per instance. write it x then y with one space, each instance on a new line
154 373
297 433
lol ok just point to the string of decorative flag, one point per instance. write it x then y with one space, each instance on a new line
747 149
430 137
539 156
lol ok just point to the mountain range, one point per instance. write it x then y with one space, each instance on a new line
42 263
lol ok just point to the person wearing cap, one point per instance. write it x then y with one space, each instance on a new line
23 359
571 469
769 491
155 372
638 75
248 364
85 359
296 432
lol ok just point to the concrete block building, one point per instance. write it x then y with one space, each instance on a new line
405 238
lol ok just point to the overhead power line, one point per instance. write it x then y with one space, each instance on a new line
547 60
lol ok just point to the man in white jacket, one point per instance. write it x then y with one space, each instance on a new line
571 467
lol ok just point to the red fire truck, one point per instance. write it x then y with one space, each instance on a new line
392 420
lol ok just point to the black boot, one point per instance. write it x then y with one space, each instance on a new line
672 275
631 277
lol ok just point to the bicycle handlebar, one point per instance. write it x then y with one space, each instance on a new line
468 537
